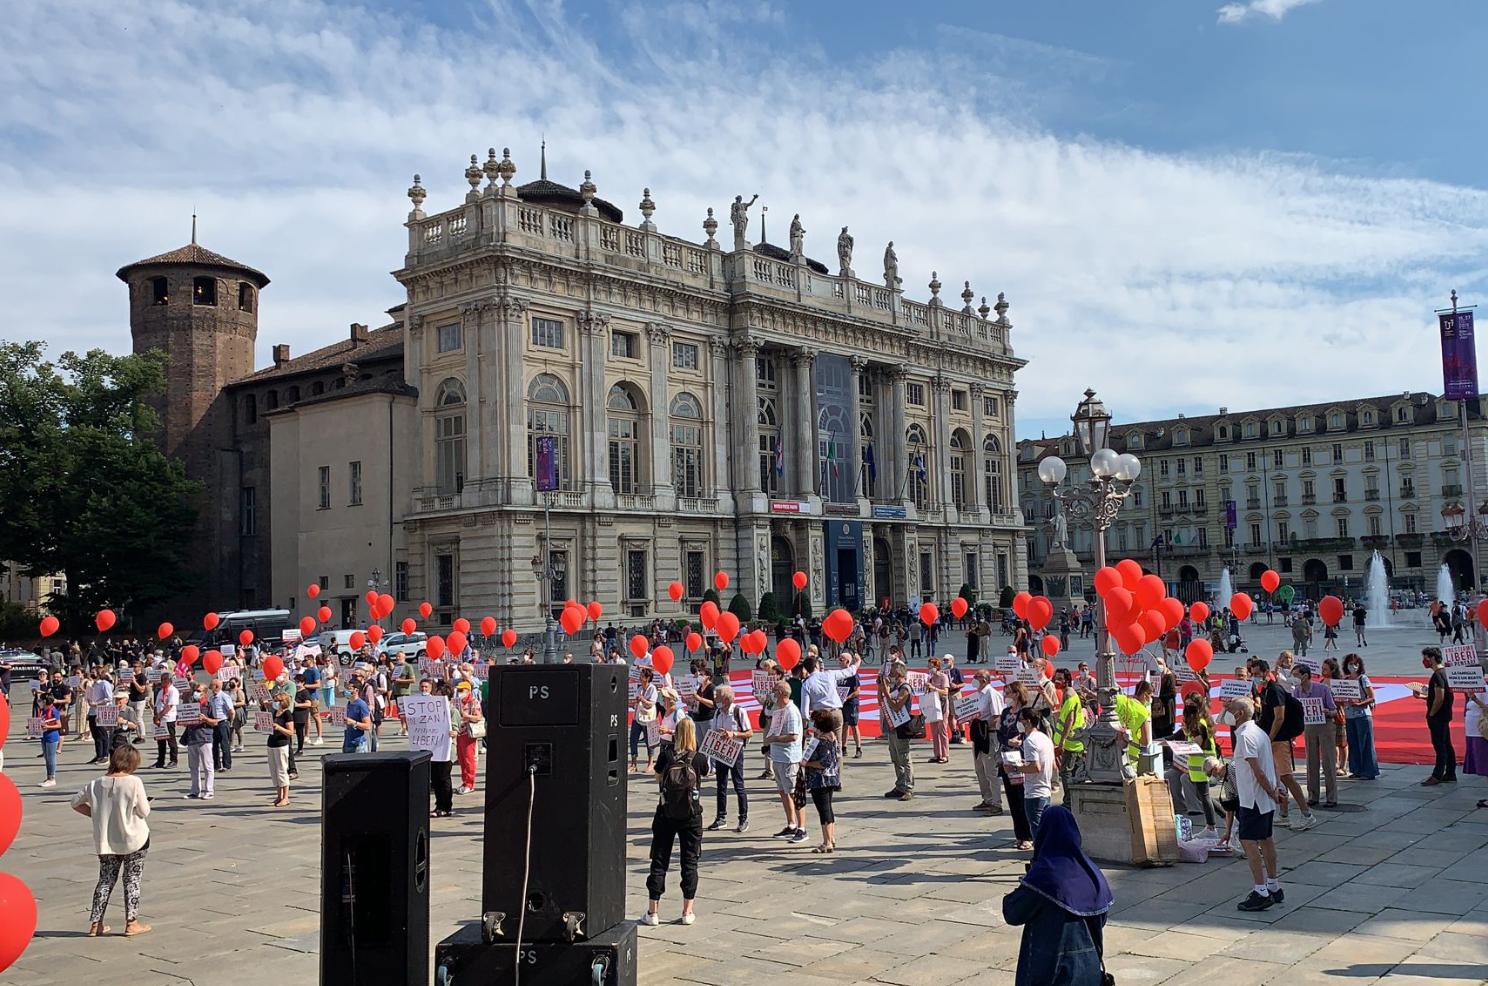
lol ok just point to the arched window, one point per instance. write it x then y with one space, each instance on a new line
547 414
960 445
159 291
687 445
869 465
449 436
204 291
919 465
245 296
1224 433
771 463
993 473
625 442
317 388
271 400
294 395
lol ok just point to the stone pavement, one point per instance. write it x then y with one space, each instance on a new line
1396 893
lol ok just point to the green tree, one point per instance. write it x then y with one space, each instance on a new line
969 594
1006 598
768 613
711 596
84 490
739 606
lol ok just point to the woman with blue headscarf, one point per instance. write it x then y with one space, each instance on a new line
1061 903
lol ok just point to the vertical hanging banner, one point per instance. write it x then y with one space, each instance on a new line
547 463
1459 356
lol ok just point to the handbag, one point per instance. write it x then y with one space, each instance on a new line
915 728
476 730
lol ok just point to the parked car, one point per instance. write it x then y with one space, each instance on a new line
268 626
411 645
24 665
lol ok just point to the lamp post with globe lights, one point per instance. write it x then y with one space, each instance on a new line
1097 501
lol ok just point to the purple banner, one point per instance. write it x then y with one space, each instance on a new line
1459 356
1230 514
547 463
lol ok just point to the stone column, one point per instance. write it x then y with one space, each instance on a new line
511 323
660 441
804 409
976 495
726 474
854 439
897 488
592 472
476 466
746 414
942 424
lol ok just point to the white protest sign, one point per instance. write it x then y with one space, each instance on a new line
687 690
228 650
1312 711
894 718
188 714
33 727
918 681
1347 689
760 683
336 714
843 690
428 719
258 691
653 733
162 730
1459 654
1234 688
1008 662
182 681
106 715
74 681
263 722
1030 677
1465 677
1184 674
152 675
1183 748
968 707
808 749
722 749
290 635
482 672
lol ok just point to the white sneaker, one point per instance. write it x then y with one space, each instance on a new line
1304 822
49 782
650 920
318 742
687 919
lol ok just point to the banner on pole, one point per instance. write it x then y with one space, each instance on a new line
1459 356
547 463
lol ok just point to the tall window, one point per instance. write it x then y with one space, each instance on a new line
635 576
993 473
248 510
449 337
625 449
1410 522
684 356
325 487
1374 525
547 414
694 572
444 587
449 436
868 467
354 483
1255 534
1342 523
958 470
204 291
769 446
245 296
915 394
687 445
400 579
919 465
547 332
159 291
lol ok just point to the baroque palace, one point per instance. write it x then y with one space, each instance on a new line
564 395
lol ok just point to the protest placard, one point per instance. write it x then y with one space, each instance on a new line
1457 654
808 749
162 730
1184 674
33 727
1346 689
1465 677
152 675
258 691
760 683
1008 662
188 713
1234 688
653 733
75 681
721 749
1029 677
1310 663
843 690
336 714
181 681
893 718
1183 748
290 635
686 686
968 707
481 672
36 686
1313 713
106 715
918 681
228 650
428 719
263 722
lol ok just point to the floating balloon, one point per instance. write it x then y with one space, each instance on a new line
959 607
1050 644
1149 591
1040 612
358 640
212 661
708 615
307 627
639 645
1330 609
929 614
1152 626
1131 639
1269 581
10 812
189 654
105 619
694 641
462 625
49 625
164 631
386 603
661 660
1199 653
456 642
595 611
838 625
273 667
1119 603
425 610
1199 612
409 625
371 597
508 638
210 621
488 626
374 633
1130 571
434 647
1106 579
720 581
571 620
1240 605
675 591
787 653
323 614
1483 613
727 626
1172 611
245 638
799 580
17 919
312 590
1020 605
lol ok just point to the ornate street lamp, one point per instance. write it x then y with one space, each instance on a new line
1459 528
1097 501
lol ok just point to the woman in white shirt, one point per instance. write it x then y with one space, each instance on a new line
117 804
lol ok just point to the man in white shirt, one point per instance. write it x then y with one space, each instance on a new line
1038 768
1255 783
985 746
819 690
100 693
784 737
166 700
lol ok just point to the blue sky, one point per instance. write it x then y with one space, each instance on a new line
1189 204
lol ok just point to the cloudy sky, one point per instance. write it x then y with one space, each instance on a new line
1188 203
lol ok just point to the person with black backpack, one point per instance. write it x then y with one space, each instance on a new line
678 815
1281 717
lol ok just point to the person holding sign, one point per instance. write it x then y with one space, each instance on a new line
784 734
166 701
732 722
1438 697
896 697
932 707
644 706
986 747
1010 739
1317 733
1358 720
100 693
198 739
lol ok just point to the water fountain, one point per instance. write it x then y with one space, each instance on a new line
1226 588
1445 590
1377 595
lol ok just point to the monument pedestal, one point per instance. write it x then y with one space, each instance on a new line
1064 579
1127 823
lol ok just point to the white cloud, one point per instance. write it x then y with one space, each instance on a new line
1168 281
1236 13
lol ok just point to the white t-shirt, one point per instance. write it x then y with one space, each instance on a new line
991 702
166 700
1471 714
1251 741
1037 746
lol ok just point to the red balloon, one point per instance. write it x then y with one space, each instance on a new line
1040 612
409 625
1152 625
1330 609
425 610
708 615
694 641
488 626
1172 611
273 667
307 627
720 581
929 614
386 603
572 619
1119 604
371 597
1131 639
434 647
358 640
17 919
761 641
1199 612
1020 605
1131 573
106 619
1050 644
1192 688
245 638
661 660
374 633
1483 612
1149 591
1107 579
312 590
838 625
189 654
727 626
210 621
49 625
323 614
212 661
959 607
456 641
639 645
799 580
750 643
508 638
1269 581
10 812
675 591
164 631
1199 653
462 625
595 611
1240 605
787 652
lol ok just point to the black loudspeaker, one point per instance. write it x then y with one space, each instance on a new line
555 740
374 870
464 958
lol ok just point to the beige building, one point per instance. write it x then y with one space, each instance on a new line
1311 491
708 406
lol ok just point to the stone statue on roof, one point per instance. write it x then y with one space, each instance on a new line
739 217
891 267
844 251
797 238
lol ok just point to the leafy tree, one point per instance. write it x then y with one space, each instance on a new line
84 490
739 606
968 593
803 605
768 613
1006 598
711 596
17 622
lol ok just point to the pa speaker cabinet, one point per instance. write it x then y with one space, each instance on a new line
555 740
374 884
464 958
